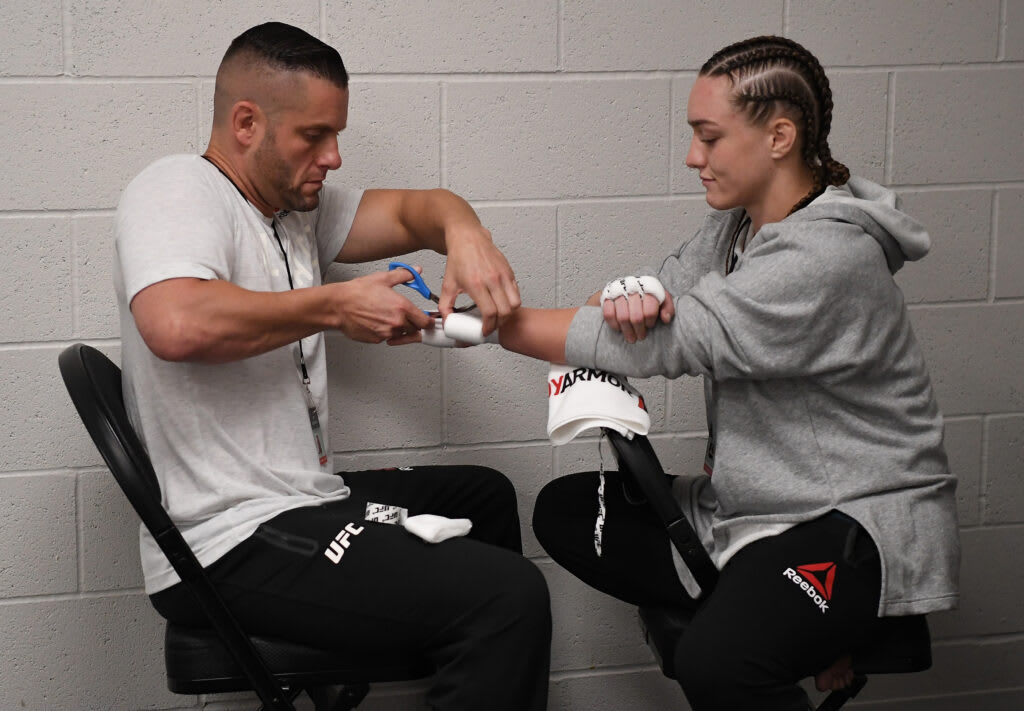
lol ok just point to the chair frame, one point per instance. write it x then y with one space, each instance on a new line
94 384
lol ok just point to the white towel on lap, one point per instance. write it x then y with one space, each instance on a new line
585 398
434 529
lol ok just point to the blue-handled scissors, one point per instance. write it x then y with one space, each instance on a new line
417 284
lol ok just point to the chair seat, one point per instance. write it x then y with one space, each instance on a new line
900 644
198 662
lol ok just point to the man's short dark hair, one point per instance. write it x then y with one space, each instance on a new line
287 48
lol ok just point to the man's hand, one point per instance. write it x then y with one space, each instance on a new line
370 310
477 268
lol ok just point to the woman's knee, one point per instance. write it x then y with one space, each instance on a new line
554 501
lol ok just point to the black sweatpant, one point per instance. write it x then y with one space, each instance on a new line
765 626
473 605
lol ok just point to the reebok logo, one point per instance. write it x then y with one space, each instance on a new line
809 579
341 542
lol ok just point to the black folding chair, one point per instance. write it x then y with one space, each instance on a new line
221 657
899 644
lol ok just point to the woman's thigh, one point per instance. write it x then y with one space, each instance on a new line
635 563
785 607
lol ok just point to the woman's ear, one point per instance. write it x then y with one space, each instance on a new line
783 135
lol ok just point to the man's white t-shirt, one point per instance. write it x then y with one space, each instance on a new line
231 444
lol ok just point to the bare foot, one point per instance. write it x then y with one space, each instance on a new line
838 676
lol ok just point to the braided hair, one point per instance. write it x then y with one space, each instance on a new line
772 76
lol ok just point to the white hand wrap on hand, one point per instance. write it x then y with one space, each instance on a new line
457 327
436 337
468 329
644 285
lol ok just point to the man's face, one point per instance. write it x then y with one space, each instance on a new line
300 144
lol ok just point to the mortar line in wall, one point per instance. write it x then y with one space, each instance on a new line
73 239
671 135
65 597
322 23
981 639
996 526
983 474
510 77
558 258
197 87
964 304
96 80
69 212
610 670
890 127
442 386
442 128
668 401
65 37
507 444
993 245
79 533
1001 34
785 18
35 345
559 37
29 473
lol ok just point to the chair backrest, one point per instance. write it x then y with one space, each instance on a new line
638 461
94 384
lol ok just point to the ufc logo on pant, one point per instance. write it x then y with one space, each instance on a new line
341 542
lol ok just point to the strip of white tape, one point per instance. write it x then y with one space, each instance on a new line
383 513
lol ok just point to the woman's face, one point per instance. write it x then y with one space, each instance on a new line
732 156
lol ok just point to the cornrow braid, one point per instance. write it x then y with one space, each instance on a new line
771 74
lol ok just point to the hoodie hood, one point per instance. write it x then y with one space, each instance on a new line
875 209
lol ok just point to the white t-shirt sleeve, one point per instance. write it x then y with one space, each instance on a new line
334 218
172 222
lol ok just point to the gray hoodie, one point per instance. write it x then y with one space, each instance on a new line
817 393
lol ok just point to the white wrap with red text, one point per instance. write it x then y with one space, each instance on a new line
585 398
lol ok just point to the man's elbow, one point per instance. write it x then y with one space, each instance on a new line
174 338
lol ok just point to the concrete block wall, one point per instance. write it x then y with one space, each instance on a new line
563 121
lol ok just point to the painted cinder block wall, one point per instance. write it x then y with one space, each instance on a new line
563 122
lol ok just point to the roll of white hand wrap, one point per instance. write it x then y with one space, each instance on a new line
585 398
468 329
435 336
643 285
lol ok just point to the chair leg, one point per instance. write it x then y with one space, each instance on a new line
335 698
835 700
290 693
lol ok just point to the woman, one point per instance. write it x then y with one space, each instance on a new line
825 442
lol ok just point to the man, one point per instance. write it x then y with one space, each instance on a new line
218 278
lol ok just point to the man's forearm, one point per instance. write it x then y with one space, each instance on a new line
217 321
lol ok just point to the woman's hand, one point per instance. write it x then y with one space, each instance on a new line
632 305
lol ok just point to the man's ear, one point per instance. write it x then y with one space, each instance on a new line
783 135
246 119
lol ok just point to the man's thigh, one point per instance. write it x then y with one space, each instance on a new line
484 496
327 577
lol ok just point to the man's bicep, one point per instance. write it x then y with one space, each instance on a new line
377 232
157 303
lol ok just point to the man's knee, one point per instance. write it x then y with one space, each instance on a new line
518 606
526 593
